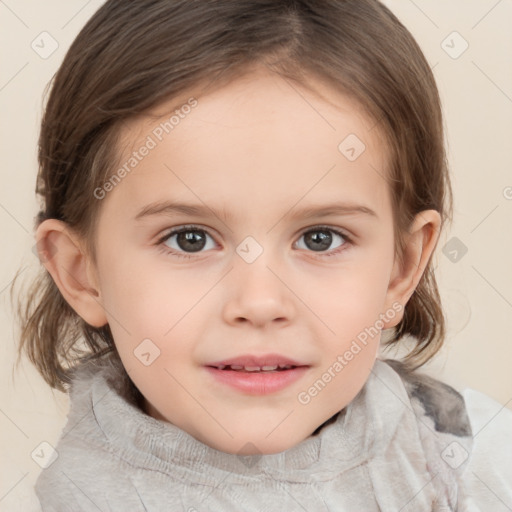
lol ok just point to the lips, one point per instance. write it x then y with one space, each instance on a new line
257 375
254 363
265 368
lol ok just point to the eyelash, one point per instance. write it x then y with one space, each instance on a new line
168 251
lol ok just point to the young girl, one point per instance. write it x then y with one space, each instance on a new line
241 201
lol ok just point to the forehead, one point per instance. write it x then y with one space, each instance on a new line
259 139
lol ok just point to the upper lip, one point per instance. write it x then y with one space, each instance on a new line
255 360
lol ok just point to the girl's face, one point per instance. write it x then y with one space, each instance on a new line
286 256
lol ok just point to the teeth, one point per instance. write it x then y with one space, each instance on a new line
268 368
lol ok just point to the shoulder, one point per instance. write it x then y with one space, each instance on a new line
82 480
475 417
87 474
55 492
86 467
488 478
440 402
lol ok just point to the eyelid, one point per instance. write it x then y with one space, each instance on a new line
341 231
185 227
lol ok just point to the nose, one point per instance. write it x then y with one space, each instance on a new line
258 295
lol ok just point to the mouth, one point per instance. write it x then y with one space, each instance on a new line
252 369
256 363
257 375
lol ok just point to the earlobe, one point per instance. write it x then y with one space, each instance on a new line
420 243
60 252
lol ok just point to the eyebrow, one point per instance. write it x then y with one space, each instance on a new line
323 210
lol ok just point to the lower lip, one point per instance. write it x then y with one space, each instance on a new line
258 383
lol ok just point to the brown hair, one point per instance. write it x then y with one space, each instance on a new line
132 56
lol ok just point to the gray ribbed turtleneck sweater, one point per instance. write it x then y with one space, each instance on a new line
401 445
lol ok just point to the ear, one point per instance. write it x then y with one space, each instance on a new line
420 243
61 252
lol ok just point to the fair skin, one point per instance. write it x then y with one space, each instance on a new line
261 151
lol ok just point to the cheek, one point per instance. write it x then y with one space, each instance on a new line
351 305
148 300
353 296
133 286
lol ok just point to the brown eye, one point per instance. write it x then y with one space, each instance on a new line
192 241
322 239
187 240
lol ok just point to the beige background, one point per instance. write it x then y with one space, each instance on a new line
476 89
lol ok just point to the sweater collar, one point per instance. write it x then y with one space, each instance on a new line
360 431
